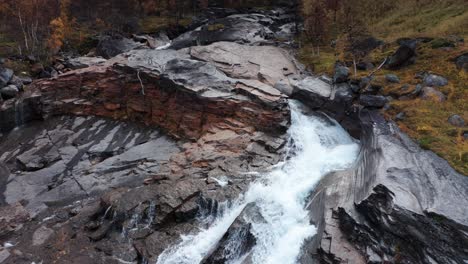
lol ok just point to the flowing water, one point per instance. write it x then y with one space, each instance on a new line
317 146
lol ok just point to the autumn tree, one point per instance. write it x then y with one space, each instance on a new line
61 28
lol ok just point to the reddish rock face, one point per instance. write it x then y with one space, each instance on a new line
183 113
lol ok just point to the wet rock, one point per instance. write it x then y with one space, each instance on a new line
15 113
368 100
433 80
5 76
341 74
9 91
456 120
392 78
404 55
430 93
237 241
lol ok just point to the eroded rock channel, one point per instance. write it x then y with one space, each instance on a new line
196 152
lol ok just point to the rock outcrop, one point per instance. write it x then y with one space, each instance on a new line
400 204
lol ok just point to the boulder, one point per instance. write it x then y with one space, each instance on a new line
434 80
403 56
462 62
9 91
377 101
5 76
456 120
364 66
341 74
312 91
111 46
430 93
48 72
392 78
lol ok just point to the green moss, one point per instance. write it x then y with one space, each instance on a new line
215 27
425 142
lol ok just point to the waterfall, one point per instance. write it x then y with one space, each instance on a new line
19 112
317 146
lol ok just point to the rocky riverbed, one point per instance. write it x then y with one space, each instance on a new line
112 161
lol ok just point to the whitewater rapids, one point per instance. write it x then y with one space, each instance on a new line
317 146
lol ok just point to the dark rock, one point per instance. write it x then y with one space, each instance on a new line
9 91
48 72
456 120
430 93
433 80
14 113
341 74
5 76
405 55
462 62
365 66
392 78
417 89
377 101
111 46
367 44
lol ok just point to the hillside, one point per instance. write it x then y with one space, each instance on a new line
444 25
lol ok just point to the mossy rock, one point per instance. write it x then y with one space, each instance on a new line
442 43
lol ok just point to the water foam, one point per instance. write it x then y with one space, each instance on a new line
317 146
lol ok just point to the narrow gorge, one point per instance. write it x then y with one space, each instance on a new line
217 146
